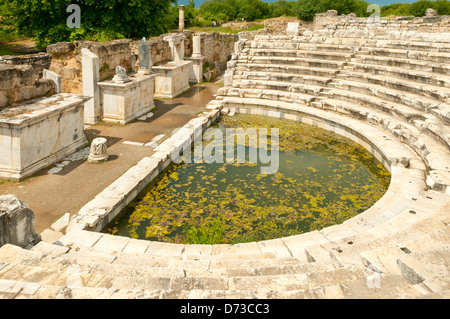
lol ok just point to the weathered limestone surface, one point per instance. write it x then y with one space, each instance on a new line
67 60
16 223
145 57
98 152
56 79
196 68
397 109
38 134
91 76
38 61
20 83
124 102
172 78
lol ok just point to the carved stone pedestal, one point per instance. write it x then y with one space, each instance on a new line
98 151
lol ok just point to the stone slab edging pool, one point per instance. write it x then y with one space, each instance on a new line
406 192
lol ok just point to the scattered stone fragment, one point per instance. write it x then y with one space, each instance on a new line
151 144
133 143
158 137
54 170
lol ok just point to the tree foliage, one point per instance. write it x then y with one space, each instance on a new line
281 8
307 9
46 20
227 10
418 8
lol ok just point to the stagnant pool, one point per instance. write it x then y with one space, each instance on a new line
322 179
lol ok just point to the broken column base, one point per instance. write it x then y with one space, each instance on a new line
16 223
196 69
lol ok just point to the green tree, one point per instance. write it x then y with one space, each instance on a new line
307 9
342 6
281 8
396 9
418 8
46 20
248 10
209 9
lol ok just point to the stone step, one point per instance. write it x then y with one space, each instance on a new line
15 254
442 111
383 287
385 258
426 122
286 77
304 88
433 151
292 69
317 63
295 282
429 267
99 264
136 277
402 73
48 276
399 96
430 57
387 242
413 45
271 95
409 64
25 290
427 90
313 40
398 199
302 46
322 55
380 104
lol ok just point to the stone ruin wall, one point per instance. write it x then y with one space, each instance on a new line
352 26
66 56
66 60
217 47
19 83
39 61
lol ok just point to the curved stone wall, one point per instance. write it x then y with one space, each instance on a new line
385 90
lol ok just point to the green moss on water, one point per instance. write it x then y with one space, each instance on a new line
323 179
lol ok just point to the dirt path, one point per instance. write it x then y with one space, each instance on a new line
50 196
25 46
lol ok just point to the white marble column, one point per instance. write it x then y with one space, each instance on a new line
91 75
181 18
196 70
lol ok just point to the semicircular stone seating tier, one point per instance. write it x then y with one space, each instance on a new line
391 96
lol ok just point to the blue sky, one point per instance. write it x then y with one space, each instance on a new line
379 2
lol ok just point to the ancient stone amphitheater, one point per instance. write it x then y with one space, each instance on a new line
385 86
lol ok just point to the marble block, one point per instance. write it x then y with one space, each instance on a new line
40 133
124 102
172 79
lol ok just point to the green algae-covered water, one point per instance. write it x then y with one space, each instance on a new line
322 179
